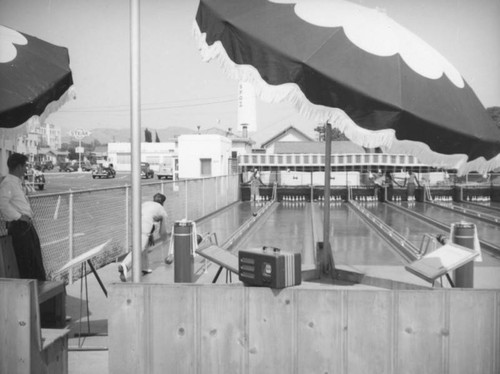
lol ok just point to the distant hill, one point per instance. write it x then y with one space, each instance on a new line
109 135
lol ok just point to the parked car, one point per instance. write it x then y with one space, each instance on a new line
35 178
67 167
146 171
86 167
166 171
44 166
104 172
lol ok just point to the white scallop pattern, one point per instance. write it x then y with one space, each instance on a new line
373 31
8 38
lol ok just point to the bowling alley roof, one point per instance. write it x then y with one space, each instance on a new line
338 147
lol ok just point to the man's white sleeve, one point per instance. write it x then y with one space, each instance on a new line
7 211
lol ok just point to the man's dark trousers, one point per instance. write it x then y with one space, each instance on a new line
27 250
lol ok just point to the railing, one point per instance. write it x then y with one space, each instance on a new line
71 223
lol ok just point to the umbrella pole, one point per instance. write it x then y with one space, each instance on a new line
135 132
327 263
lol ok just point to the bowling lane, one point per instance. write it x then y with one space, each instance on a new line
288 228
224 223
353 242
411 228
481 207
486 231
414 229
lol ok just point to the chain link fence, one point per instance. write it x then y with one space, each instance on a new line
72 223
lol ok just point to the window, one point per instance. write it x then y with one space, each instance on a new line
206 167
123 158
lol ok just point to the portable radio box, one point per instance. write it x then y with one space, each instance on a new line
269 267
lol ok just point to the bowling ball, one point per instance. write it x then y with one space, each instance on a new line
255 214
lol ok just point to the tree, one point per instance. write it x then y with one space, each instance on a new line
321 132
337 135
148 138
157 138
72 155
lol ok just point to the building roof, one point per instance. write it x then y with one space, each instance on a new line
45 151
235 136
289 130
101 149
317 147
216 131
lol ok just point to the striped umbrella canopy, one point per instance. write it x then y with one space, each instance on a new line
35 79
357 69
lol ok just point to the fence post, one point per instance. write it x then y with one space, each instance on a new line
127 189
203 197
70 234
186 198
226 188
216 192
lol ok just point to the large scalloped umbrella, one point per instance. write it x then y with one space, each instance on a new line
357 69
35 79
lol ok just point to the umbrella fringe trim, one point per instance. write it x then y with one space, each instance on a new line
24 128
290 92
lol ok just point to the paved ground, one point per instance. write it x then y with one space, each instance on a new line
63 182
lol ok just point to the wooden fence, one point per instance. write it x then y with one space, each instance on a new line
305 329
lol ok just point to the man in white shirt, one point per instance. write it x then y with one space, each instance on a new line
16 211
152 212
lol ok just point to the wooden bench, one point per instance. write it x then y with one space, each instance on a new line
25 347
51 294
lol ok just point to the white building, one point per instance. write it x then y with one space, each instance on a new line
7 147
119 154
28 143
288 135
50 136
203 155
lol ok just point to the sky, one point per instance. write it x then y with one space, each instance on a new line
179 89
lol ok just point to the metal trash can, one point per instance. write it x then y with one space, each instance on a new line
183 252
463 233
420 194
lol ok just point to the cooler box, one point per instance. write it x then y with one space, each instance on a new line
269 267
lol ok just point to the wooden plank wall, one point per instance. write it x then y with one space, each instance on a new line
20 339
236 329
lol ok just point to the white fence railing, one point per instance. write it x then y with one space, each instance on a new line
72 223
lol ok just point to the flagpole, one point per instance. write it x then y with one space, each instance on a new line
135 134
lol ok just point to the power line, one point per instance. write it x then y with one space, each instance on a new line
145 108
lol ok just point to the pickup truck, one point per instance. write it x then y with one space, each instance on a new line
166 171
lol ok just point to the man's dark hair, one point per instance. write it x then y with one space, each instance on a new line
159 198
15 160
